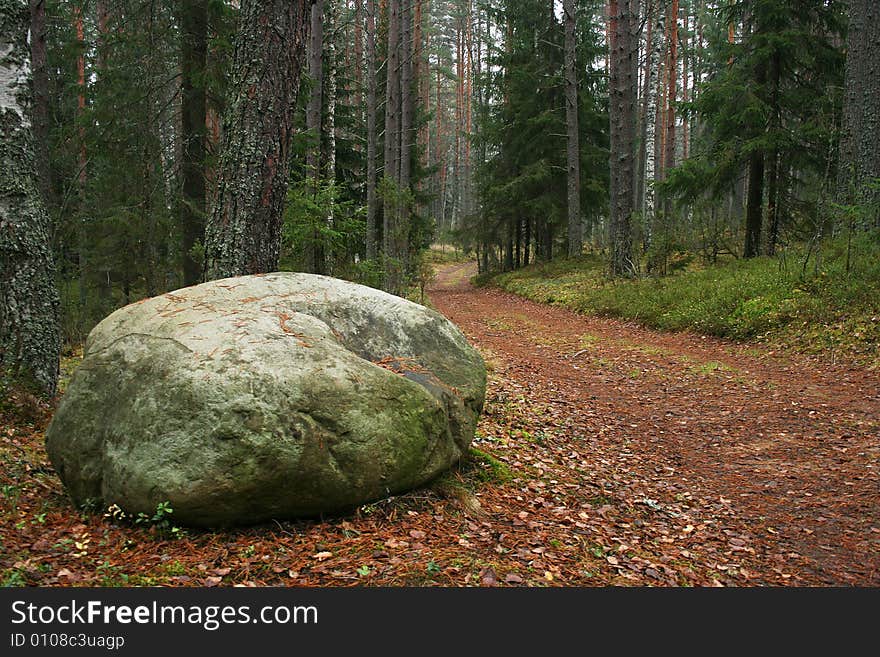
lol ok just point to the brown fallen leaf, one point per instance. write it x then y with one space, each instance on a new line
321 556
212 581
488 577
513 578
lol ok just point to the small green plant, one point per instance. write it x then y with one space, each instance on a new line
160 519
112 575
11 493
175 568
13 578
363 571
433 567
597 551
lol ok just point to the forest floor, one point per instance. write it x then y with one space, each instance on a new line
607 454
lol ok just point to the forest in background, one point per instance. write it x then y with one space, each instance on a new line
661 135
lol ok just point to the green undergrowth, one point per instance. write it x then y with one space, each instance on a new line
445 254
816 309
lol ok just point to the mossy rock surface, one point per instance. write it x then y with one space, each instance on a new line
270 396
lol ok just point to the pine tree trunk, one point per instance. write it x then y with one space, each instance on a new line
41 100
622 112
313 125
243 235
401 237
754 204
575 230
372 137
860 136
671 94
29 335
193 19
359 57
773 157
755 199
393 273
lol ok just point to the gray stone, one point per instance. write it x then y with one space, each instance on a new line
268 396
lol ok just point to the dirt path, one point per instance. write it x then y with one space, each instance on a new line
673 457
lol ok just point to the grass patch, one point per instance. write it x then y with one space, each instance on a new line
766 299
710 366
488 469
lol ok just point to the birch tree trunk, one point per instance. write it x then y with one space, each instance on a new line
29 336
655 49
243 234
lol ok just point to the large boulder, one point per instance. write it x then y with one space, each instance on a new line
267 396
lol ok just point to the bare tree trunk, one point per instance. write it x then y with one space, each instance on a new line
860 137
622 111
671 94
193 18
575 230
372 137
313 124
754 204
401 236
359 56
773 157
41 100
755 200
29 337
244 231
393 274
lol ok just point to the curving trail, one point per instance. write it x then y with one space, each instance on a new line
675 458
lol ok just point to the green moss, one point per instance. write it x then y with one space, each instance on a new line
488 468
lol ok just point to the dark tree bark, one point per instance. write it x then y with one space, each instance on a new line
29 335
622 112
860 138
755 199
372 137
772 164
243 235
575 230
193 19
754 203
